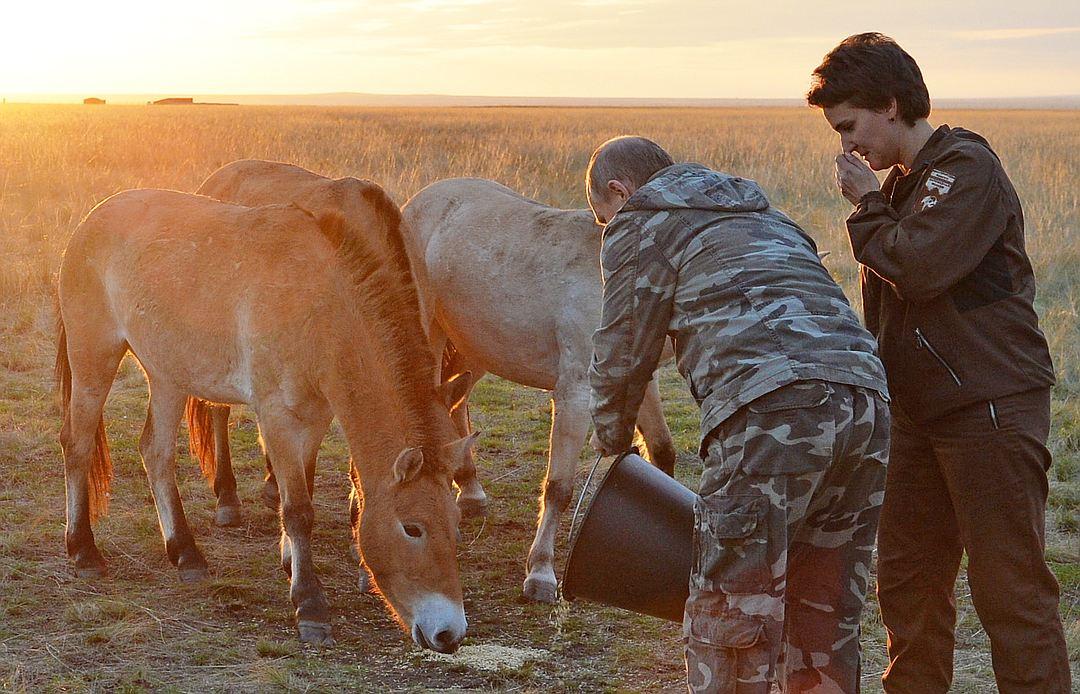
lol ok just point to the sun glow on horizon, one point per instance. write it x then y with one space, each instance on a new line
580 48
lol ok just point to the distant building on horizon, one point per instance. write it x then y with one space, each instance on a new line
186 101
93 101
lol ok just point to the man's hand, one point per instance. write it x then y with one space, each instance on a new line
854 178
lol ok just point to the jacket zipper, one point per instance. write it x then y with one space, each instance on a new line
922 343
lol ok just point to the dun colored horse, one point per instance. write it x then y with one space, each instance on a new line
252 183
296 317
511 286
516 286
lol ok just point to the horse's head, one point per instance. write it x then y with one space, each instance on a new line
408 537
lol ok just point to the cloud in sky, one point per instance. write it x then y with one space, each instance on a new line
1012 34
664 48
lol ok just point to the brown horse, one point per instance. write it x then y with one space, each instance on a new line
253 183
296 317
515 285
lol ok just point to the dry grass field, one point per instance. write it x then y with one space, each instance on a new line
140 630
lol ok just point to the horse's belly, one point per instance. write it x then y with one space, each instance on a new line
512 350
206 374
207 359
510 302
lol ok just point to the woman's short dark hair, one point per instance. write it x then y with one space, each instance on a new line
868 71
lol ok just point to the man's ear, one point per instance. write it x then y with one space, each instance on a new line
619 189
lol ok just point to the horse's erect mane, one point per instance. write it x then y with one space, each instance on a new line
387 299
390 214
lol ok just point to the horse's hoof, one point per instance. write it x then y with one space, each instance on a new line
363 581
91 572
315 633
472 508
540 591
194 574
227 516
271 498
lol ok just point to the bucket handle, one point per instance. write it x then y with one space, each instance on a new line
581 497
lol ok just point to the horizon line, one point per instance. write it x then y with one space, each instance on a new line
350 98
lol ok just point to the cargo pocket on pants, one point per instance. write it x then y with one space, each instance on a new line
716 647
731 540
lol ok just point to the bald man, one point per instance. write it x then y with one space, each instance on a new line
794 419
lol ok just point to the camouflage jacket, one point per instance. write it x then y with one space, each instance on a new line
701 256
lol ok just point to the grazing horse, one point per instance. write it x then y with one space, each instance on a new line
252 183
296 317
511 286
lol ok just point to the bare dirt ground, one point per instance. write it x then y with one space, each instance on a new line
140 630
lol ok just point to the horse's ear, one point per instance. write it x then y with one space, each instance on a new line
457 452
453 391
408 464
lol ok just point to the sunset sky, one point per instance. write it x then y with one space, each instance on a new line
582 48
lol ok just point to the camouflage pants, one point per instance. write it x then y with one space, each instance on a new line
784 531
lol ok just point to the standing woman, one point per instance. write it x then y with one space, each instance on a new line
948 291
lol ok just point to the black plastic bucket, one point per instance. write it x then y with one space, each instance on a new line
631 543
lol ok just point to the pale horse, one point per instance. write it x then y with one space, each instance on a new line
513 287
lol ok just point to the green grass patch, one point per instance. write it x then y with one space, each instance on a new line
1068 575
274 649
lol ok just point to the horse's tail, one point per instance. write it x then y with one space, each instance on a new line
201 436
447 360
643 448
99 475
451 365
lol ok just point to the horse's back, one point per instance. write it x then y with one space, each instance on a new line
513 281
488 217
191 283
368 210
253 178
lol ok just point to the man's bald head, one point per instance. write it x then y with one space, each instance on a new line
618 168
630 159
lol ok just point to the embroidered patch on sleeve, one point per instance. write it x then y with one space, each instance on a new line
939 182
928 202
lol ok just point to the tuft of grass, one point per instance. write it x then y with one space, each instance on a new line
97 612
274 649
1068 575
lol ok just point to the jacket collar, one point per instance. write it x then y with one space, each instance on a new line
932 148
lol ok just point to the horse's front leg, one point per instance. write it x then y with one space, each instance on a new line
654 428
471 499
356 508
228 502
569 424
158 449
292 446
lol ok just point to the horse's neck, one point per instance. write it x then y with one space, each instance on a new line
379 417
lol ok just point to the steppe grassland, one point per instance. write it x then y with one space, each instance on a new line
56 162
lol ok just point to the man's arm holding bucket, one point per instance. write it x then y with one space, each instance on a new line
639 288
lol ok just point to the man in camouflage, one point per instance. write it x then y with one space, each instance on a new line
794 420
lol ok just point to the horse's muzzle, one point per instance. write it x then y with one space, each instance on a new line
439 624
